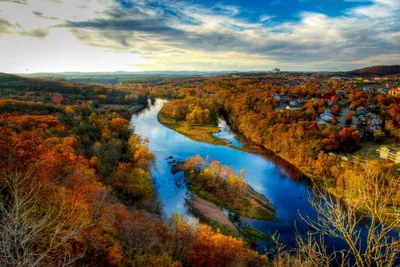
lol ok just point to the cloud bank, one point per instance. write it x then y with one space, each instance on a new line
179 35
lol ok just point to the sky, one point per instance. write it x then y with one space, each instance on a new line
197 35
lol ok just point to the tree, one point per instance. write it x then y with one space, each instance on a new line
336 109
215 249
131 184
57 98
31 236
349 139
379 134
373 201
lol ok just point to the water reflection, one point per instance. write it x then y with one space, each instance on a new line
226 133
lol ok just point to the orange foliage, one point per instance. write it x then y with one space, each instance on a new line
215 249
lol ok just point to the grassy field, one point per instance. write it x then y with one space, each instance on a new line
201 133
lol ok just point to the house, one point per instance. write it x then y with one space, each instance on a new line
284 98
388 152
294 102
322 123
286 107
277 97
367 89
394 91
276 70
326 116
374 124
383 90
361 110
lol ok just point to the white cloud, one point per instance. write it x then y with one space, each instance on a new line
266 18
178 35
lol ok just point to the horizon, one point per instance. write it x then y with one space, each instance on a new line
65 73
170 71
56 36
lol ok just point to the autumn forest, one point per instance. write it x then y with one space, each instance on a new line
77 183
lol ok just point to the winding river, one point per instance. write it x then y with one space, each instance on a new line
288 195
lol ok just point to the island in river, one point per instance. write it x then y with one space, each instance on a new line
220 185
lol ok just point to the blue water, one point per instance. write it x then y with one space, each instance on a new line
289 196
227 134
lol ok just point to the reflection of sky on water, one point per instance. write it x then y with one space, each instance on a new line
226 133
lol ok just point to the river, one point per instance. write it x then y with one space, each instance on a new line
288 195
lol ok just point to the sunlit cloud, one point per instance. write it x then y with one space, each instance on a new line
179 35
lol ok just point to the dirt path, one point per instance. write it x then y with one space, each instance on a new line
210 211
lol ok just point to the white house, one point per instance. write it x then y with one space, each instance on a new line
390 153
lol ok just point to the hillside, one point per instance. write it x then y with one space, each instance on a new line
5 77
378 70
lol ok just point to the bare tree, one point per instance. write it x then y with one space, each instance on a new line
374 201
29 235
309 252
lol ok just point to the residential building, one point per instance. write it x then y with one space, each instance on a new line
326 116
394 91
276 70
286 107
388 152
367 90
294 102
383 90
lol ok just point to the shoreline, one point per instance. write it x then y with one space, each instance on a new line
199 133
207 211
212 215
264 209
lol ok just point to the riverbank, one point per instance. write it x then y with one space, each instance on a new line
249 203
230 193
131 109
210 214
136 109
200 133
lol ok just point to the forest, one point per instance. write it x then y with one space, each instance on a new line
76 186
77 190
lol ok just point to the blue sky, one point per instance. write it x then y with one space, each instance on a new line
288 10
245 35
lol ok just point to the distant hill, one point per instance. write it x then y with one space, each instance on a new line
378 70
126 74
5 77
